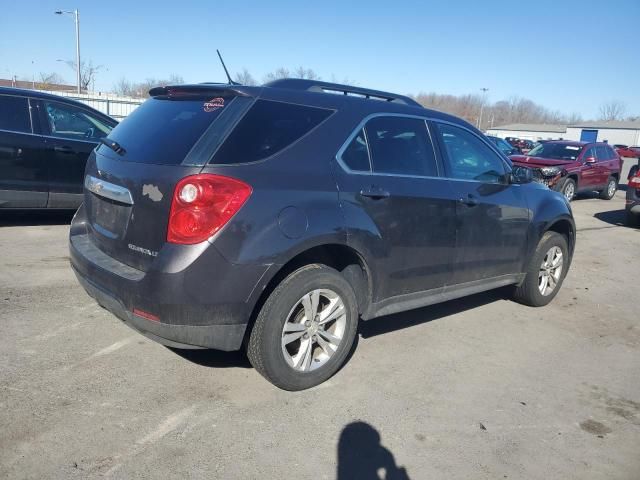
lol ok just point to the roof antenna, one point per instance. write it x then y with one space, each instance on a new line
231 82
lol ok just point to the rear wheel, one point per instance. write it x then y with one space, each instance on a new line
609 192
305 329
569 189
546 271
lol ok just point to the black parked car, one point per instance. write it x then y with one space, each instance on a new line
44 144
504 146
276 217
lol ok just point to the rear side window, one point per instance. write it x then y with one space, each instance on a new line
401 146
356 155
266 129
14 114
162 131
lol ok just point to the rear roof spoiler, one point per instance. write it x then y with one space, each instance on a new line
327 87
200 88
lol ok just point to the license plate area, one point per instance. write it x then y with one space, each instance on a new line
108 217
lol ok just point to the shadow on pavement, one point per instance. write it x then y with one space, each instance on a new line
214 358
613 217
24 219
398 321
361 455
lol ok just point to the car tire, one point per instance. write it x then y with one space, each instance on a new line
568 189
293 352
610 190
633 220
530 291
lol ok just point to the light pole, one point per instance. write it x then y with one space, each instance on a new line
77 19
484 92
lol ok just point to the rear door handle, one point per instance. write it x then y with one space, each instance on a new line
64 149
469 201
374 193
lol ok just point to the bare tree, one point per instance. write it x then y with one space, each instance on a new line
277 74
307 73
512 110
245 78
88 72
47 80
612 110
141 89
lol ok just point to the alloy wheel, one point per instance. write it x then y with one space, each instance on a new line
569 191
550 271
314 330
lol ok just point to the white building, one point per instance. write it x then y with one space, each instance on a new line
626 133
529 131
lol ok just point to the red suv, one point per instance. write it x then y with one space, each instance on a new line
573 167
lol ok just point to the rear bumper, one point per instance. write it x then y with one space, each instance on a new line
220 337
201 299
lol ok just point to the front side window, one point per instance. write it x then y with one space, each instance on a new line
468 157
589 153
67 121
356 155
268 128
401 146
603 153
14 114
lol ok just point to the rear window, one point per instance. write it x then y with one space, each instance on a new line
163 131
14 114
266 129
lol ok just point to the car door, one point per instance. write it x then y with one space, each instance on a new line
23 170
605 163
72 133
590 172
396 206
492 214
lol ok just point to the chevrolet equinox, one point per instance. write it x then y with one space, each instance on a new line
274 218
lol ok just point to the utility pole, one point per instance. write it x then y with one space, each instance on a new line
484 92
76 15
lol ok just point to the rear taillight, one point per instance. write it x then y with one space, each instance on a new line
202 205
634 182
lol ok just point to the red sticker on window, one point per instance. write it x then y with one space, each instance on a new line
214 104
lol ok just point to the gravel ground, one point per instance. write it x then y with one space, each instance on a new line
475 388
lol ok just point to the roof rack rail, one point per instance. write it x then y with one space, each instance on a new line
328 87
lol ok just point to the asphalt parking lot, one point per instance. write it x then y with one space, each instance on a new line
475 388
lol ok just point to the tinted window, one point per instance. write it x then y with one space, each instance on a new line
401 146
591 152
267 128
356 155
14 114
468 157
67 121
162 131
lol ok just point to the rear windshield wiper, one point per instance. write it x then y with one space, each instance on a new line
113 145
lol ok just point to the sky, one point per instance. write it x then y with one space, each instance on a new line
567 55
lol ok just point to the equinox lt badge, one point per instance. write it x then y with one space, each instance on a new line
146 251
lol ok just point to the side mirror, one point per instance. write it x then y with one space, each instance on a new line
521 175
590 160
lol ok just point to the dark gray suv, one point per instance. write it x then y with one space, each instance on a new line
275 217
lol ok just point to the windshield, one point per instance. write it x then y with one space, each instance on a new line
558 151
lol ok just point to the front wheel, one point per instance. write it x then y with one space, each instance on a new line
568 189
305 329
546 271
609 192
